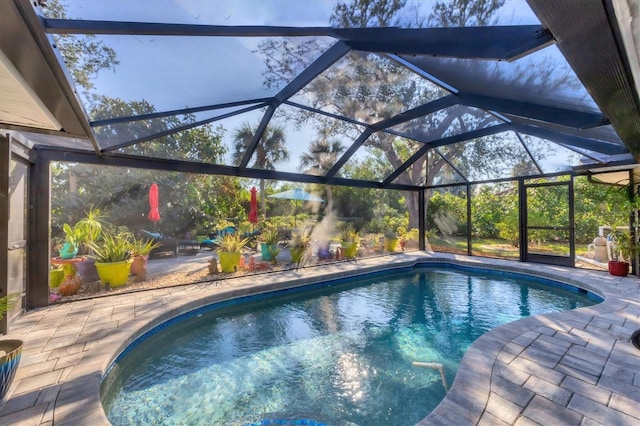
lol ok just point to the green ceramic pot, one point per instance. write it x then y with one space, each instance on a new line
229 260
55 277
266 250
68 251
116 274
297 254
349 250
390 244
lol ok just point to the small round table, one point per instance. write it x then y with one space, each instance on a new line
67 264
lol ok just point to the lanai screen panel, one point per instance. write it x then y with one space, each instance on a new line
543 77
174 72
451 121
383 152
218 12
313 142
141 130
491 157
553 157
368 88
51 140
277 12
198 144
604 133
440 170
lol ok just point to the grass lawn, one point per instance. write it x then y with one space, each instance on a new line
497 248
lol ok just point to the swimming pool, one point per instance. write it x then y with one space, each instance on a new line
337 354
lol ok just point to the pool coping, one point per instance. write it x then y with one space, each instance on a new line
573 366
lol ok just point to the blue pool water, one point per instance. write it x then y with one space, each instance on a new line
338 355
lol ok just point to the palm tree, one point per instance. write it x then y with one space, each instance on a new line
270 150
323 154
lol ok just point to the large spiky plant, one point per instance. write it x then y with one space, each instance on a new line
112 248
231 242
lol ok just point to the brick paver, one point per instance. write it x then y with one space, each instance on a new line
572 368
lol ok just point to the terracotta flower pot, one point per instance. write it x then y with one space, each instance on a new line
139 267
619 269
69 285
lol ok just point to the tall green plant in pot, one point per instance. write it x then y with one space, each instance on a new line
390 239
72 238
10 349
269 244
349 242
623 217
113 258
90 228
623 250
230 250
300 242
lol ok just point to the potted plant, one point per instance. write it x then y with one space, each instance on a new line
113 258
623 249
349 242
10 349
269 243
390 239
230 248
56 275
90 228
621 245
299 244
72 238
140 249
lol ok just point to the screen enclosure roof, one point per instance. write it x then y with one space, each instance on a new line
387 94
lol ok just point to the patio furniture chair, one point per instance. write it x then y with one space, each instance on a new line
168 246
211 242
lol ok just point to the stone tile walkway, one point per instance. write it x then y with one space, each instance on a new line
575 368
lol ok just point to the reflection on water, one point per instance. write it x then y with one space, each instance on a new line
340 355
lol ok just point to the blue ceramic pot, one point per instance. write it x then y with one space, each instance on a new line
68 251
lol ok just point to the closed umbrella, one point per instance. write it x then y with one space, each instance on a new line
296 194
154 213
253 213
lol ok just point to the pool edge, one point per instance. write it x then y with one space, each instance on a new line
470 392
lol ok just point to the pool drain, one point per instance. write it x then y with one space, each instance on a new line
635 339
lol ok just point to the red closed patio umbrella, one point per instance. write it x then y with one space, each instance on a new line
154 213
253 213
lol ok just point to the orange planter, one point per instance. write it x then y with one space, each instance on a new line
69 285
139 267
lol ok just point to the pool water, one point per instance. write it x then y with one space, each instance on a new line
336 355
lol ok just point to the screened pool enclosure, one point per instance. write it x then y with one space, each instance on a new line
430 97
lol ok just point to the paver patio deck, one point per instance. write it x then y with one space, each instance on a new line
576 367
